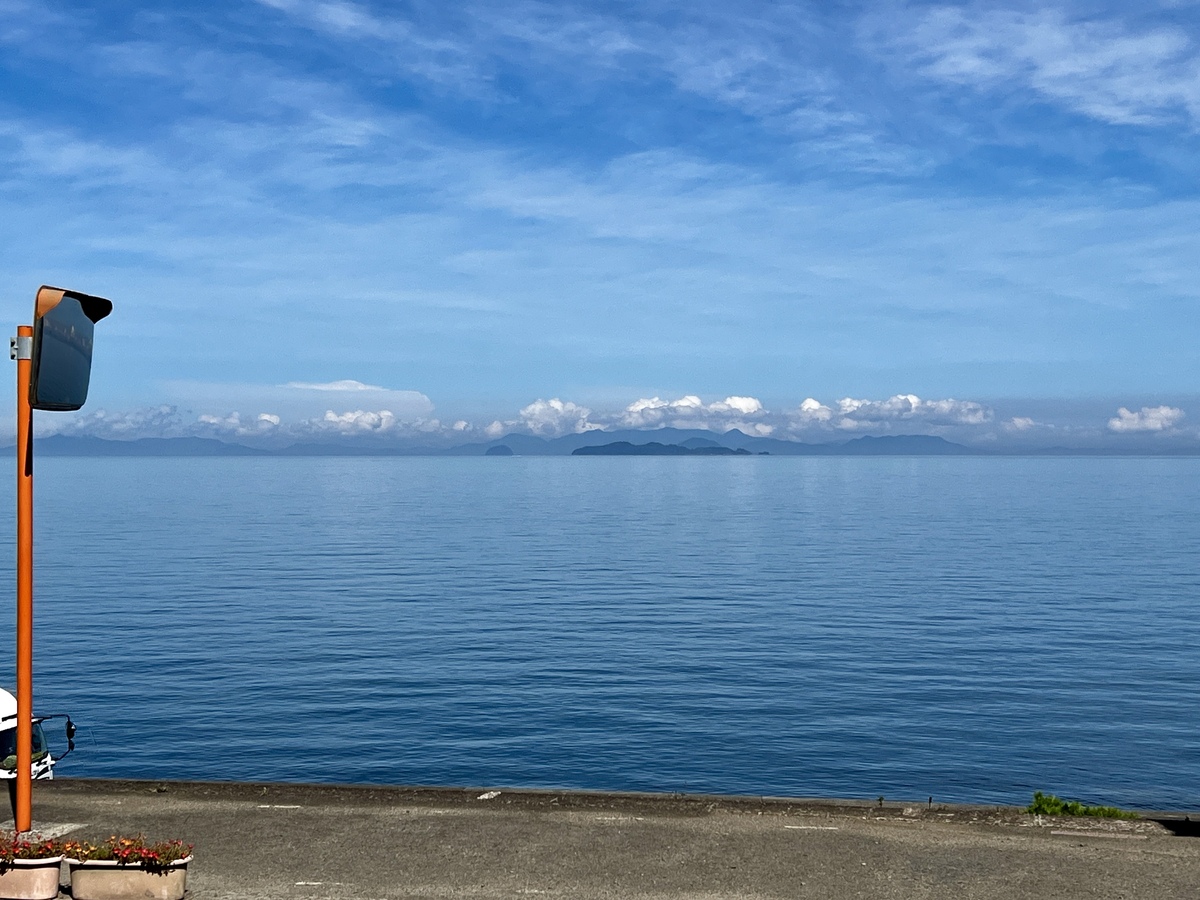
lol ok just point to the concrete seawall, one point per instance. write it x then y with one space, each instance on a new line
318 841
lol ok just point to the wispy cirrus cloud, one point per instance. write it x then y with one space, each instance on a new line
433 55
343 385
62 153
1108 69
774 67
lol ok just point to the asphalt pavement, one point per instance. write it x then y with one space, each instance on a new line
313 842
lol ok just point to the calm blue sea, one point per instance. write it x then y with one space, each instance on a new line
970 629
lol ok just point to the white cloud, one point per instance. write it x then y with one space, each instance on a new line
772 66
360 420
355 397
552 418
556 417
1148 418
84 161
689 411
754 429
813 411
853 414
653 412
346 384
736 234
152 421
812 420
231 422
746 406
232 426
352 423
298 400
1102 69
757 231
434 57
910 407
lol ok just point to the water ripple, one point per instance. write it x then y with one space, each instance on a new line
970 629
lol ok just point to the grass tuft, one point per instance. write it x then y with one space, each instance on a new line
1050 805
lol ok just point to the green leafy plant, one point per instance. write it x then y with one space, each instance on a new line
14 846
130 851
1050 805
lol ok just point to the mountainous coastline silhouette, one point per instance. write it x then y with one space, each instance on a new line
687 440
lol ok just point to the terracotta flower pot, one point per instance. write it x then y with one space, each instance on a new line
30 879
107 879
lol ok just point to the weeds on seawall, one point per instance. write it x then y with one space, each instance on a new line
1050 805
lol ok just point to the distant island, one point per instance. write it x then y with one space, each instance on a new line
624 448
626 442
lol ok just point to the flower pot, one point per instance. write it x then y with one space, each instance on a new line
30 879
107 879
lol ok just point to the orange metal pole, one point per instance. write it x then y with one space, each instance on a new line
24 813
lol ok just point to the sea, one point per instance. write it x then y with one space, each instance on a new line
961 629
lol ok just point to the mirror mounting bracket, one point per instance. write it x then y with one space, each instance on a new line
20 348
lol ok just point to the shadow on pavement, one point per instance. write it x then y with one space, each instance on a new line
1184 827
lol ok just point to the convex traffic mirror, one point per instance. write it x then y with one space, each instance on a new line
63 322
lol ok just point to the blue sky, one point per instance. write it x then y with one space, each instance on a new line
446 221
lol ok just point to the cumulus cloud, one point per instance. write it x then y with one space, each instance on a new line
167 422
811 411
1148 418
129 425
652 412
357 422
902 407
382 424
854 414
555 417
304 410
262 428
811 420
746 406
689 411
233 426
